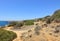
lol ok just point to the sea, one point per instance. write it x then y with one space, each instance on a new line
3 23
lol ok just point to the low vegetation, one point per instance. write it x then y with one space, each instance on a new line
28 22
55 16
7 35
12 23
20 24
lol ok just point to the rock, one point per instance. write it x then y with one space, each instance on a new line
50 33
57 29
37 30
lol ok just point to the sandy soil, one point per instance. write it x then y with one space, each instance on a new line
19 31
46 33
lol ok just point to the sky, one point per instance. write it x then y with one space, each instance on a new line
27 9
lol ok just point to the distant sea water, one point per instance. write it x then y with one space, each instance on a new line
3 23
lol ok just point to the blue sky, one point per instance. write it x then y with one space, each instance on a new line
27 9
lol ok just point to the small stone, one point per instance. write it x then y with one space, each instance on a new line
57 31
50 33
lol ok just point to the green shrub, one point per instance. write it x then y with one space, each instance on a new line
18 25
7 35
48 21
12 23
29 22
39 19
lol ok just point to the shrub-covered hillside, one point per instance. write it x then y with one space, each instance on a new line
7 35
48 19
56 15
21 23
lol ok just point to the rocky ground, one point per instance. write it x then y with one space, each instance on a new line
44 32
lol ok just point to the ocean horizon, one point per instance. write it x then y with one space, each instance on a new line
3 23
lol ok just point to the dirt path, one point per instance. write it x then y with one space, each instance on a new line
19 32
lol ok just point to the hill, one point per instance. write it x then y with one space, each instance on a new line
53 18
56 15
48 19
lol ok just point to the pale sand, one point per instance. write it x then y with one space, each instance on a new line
19 31
44 33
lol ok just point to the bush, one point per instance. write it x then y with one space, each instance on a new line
39 19
48 21
29 22
7 35
13 23
18 25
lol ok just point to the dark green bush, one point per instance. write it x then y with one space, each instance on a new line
7 35
29 22
12 23
48 21
18 25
